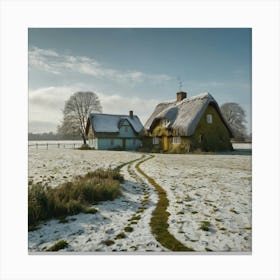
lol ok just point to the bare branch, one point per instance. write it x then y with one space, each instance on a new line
76 111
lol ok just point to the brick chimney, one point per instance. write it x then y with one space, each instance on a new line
181 95
131 114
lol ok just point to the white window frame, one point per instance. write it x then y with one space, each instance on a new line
209 118
176 140
155 140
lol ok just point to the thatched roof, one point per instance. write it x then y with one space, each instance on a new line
184 116
105 123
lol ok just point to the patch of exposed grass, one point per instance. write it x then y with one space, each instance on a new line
208 250
73 197
204 225
58 246
159 220
128 229
194 212
108 242
135 218
141 210
120 236
233 211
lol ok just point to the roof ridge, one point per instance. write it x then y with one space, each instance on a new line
116 115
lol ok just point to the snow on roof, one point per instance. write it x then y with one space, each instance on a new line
111 123
184 115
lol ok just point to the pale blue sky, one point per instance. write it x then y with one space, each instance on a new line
135 68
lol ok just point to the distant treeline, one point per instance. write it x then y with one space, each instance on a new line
51 136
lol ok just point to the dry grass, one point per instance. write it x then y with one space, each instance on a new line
73 197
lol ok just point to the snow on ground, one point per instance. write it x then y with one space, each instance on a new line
54 166
207 188
98 232
200 188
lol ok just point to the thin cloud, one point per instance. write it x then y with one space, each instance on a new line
57 63
46 106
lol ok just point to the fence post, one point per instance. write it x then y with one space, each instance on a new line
74 146
36 146
47 146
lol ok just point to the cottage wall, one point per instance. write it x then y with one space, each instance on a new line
126 139
211 136
126 130
118 143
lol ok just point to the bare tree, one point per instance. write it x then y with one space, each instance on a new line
236 119
76 111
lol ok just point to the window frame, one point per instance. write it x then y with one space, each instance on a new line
176 140
209 118
155 140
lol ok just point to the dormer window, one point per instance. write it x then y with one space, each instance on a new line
209 118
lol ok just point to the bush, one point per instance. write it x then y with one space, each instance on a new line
72 197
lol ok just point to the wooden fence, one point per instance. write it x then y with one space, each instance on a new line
55 145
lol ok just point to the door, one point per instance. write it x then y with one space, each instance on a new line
123 143
164 143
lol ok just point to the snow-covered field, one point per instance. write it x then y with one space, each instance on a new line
54 166
213 188
207 188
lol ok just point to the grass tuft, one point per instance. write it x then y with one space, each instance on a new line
58 246
120 236
108 242
128 229
205 225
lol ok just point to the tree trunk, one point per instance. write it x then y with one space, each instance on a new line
84 139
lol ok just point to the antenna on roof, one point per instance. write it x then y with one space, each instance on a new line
180 83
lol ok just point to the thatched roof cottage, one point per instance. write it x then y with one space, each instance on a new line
188 124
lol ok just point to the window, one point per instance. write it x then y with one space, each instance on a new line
155 141
209 118
112 142
176 140
126 128
200 138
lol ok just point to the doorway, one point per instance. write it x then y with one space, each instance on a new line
164 143
123 143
